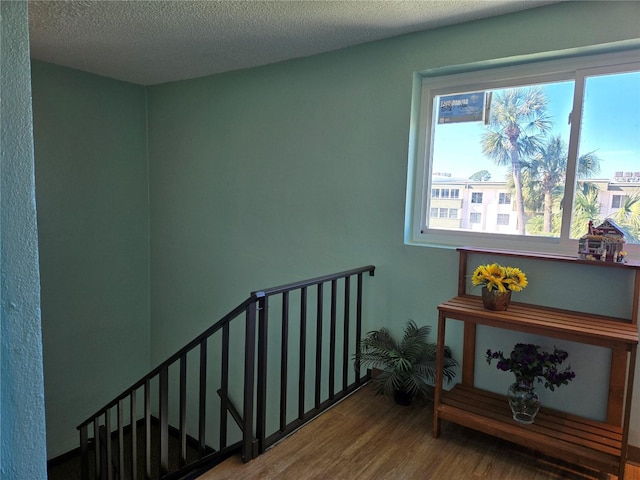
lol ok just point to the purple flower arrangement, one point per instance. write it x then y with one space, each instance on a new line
528 363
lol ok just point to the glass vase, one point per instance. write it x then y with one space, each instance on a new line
523 400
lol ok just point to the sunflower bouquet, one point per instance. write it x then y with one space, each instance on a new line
495 276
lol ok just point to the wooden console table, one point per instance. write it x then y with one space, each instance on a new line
599 445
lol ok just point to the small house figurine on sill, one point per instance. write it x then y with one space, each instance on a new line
603 243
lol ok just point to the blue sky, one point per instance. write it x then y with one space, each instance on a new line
610 127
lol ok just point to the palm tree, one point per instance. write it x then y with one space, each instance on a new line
628 217
586 207
549 165
548 170
518 123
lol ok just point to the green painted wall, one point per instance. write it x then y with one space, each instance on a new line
264 176
22 411
92 195
257 178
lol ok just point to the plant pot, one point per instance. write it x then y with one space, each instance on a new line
524 401
402 398
495 299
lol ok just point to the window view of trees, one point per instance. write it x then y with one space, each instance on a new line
516 130
520 151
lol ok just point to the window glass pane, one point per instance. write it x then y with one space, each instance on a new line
504 199
478 137
608 180
616 200
503 219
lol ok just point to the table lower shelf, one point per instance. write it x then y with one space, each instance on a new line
560 435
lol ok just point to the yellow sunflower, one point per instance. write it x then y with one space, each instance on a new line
517 279
479 276
495 276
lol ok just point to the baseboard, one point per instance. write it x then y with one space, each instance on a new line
633 455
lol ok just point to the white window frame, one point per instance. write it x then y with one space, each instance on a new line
480 76
474 196
503 216
503 197
620 200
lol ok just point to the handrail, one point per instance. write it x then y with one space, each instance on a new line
313 281
147 406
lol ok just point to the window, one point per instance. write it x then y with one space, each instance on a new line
616 201
503 219
445 193
574 130
444 213
476 197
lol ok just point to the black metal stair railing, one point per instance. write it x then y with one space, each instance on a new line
239 387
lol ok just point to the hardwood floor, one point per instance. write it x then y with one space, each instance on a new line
369 437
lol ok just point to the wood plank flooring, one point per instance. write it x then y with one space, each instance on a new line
369 437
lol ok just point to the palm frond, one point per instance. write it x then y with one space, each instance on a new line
407 365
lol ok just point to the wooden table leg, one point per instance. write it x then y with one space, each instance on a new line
439 373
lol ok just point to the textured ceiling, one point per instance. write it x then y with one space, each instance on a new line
150 42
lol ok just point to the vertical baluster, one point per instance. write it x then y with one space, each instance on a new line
303 352
261 397
183 409
120 420
358 323
224 385
319 315
284 360
345 340
332 339
84 452
249 378
98 447
202 407
164 420
107 440
133 415
147 428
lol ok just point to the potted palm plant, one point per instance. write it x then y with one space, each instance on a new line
408 367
